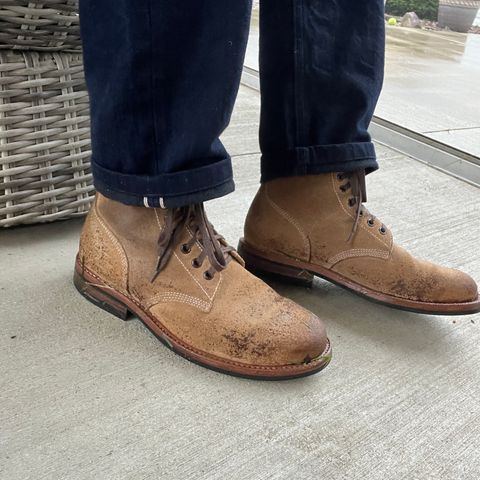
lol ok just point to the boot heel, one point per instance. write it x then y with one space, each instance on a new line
101 298
267 268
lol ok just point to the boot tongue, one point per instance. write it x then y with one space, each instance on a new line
359 187
214 247
357 184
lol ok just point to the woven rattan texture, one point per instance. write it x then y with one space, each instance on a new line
47 25
44 137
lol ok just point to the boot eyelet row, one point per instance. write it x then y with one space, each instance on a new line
195 263
207 275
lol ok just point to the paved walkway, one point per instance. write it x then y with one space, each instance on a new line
86 396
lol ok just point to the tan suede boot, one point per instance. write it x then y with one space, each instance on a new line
174 272
299 227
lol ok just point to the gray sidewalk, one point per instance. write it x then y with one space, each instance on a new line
86 396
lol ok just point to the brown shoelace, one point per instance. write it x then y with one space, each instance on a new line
356 184
213 246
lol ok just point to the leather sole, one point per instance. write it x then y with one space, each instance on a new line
293 271
107 298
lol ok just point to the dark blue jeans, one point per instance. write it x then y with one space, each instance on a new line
163 76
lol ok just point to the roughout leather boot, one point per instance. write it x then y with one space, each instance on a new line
299 227
174 272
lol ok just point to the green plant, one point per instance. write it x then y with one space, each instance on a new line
426 9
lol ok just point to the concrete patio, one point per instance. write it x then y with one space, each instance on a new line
86 396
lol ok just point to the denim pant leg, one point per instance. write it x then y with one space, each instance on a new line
321 72
162 76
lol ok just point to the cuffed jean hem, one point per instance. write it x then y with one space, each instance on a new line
168 190
319 159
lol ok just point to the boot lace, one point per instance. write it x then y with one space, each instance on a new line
355 183
213 246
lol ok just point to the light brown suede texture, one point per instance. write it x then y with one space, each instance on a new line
234 316
310 219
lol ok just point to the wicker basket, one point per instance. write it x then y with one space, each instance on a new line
46 25
44 138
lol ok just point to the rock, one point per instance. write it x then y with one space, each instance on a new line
411 20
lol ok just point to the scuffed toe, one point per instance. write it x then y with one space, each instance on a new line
459 287
312 341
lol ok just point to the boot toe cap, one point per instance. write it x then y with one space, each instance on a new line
284 334
428 282
305 339
458 287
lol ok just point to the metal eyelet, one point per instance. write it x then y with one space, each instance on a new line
186 249
207 275
195 263
340 177
382 230
371 222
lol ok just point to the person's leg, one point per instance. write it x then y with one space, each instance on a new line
321 72
321 75
162 77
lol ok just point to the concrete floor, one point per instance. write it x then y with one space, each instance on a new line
86 396
432 85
